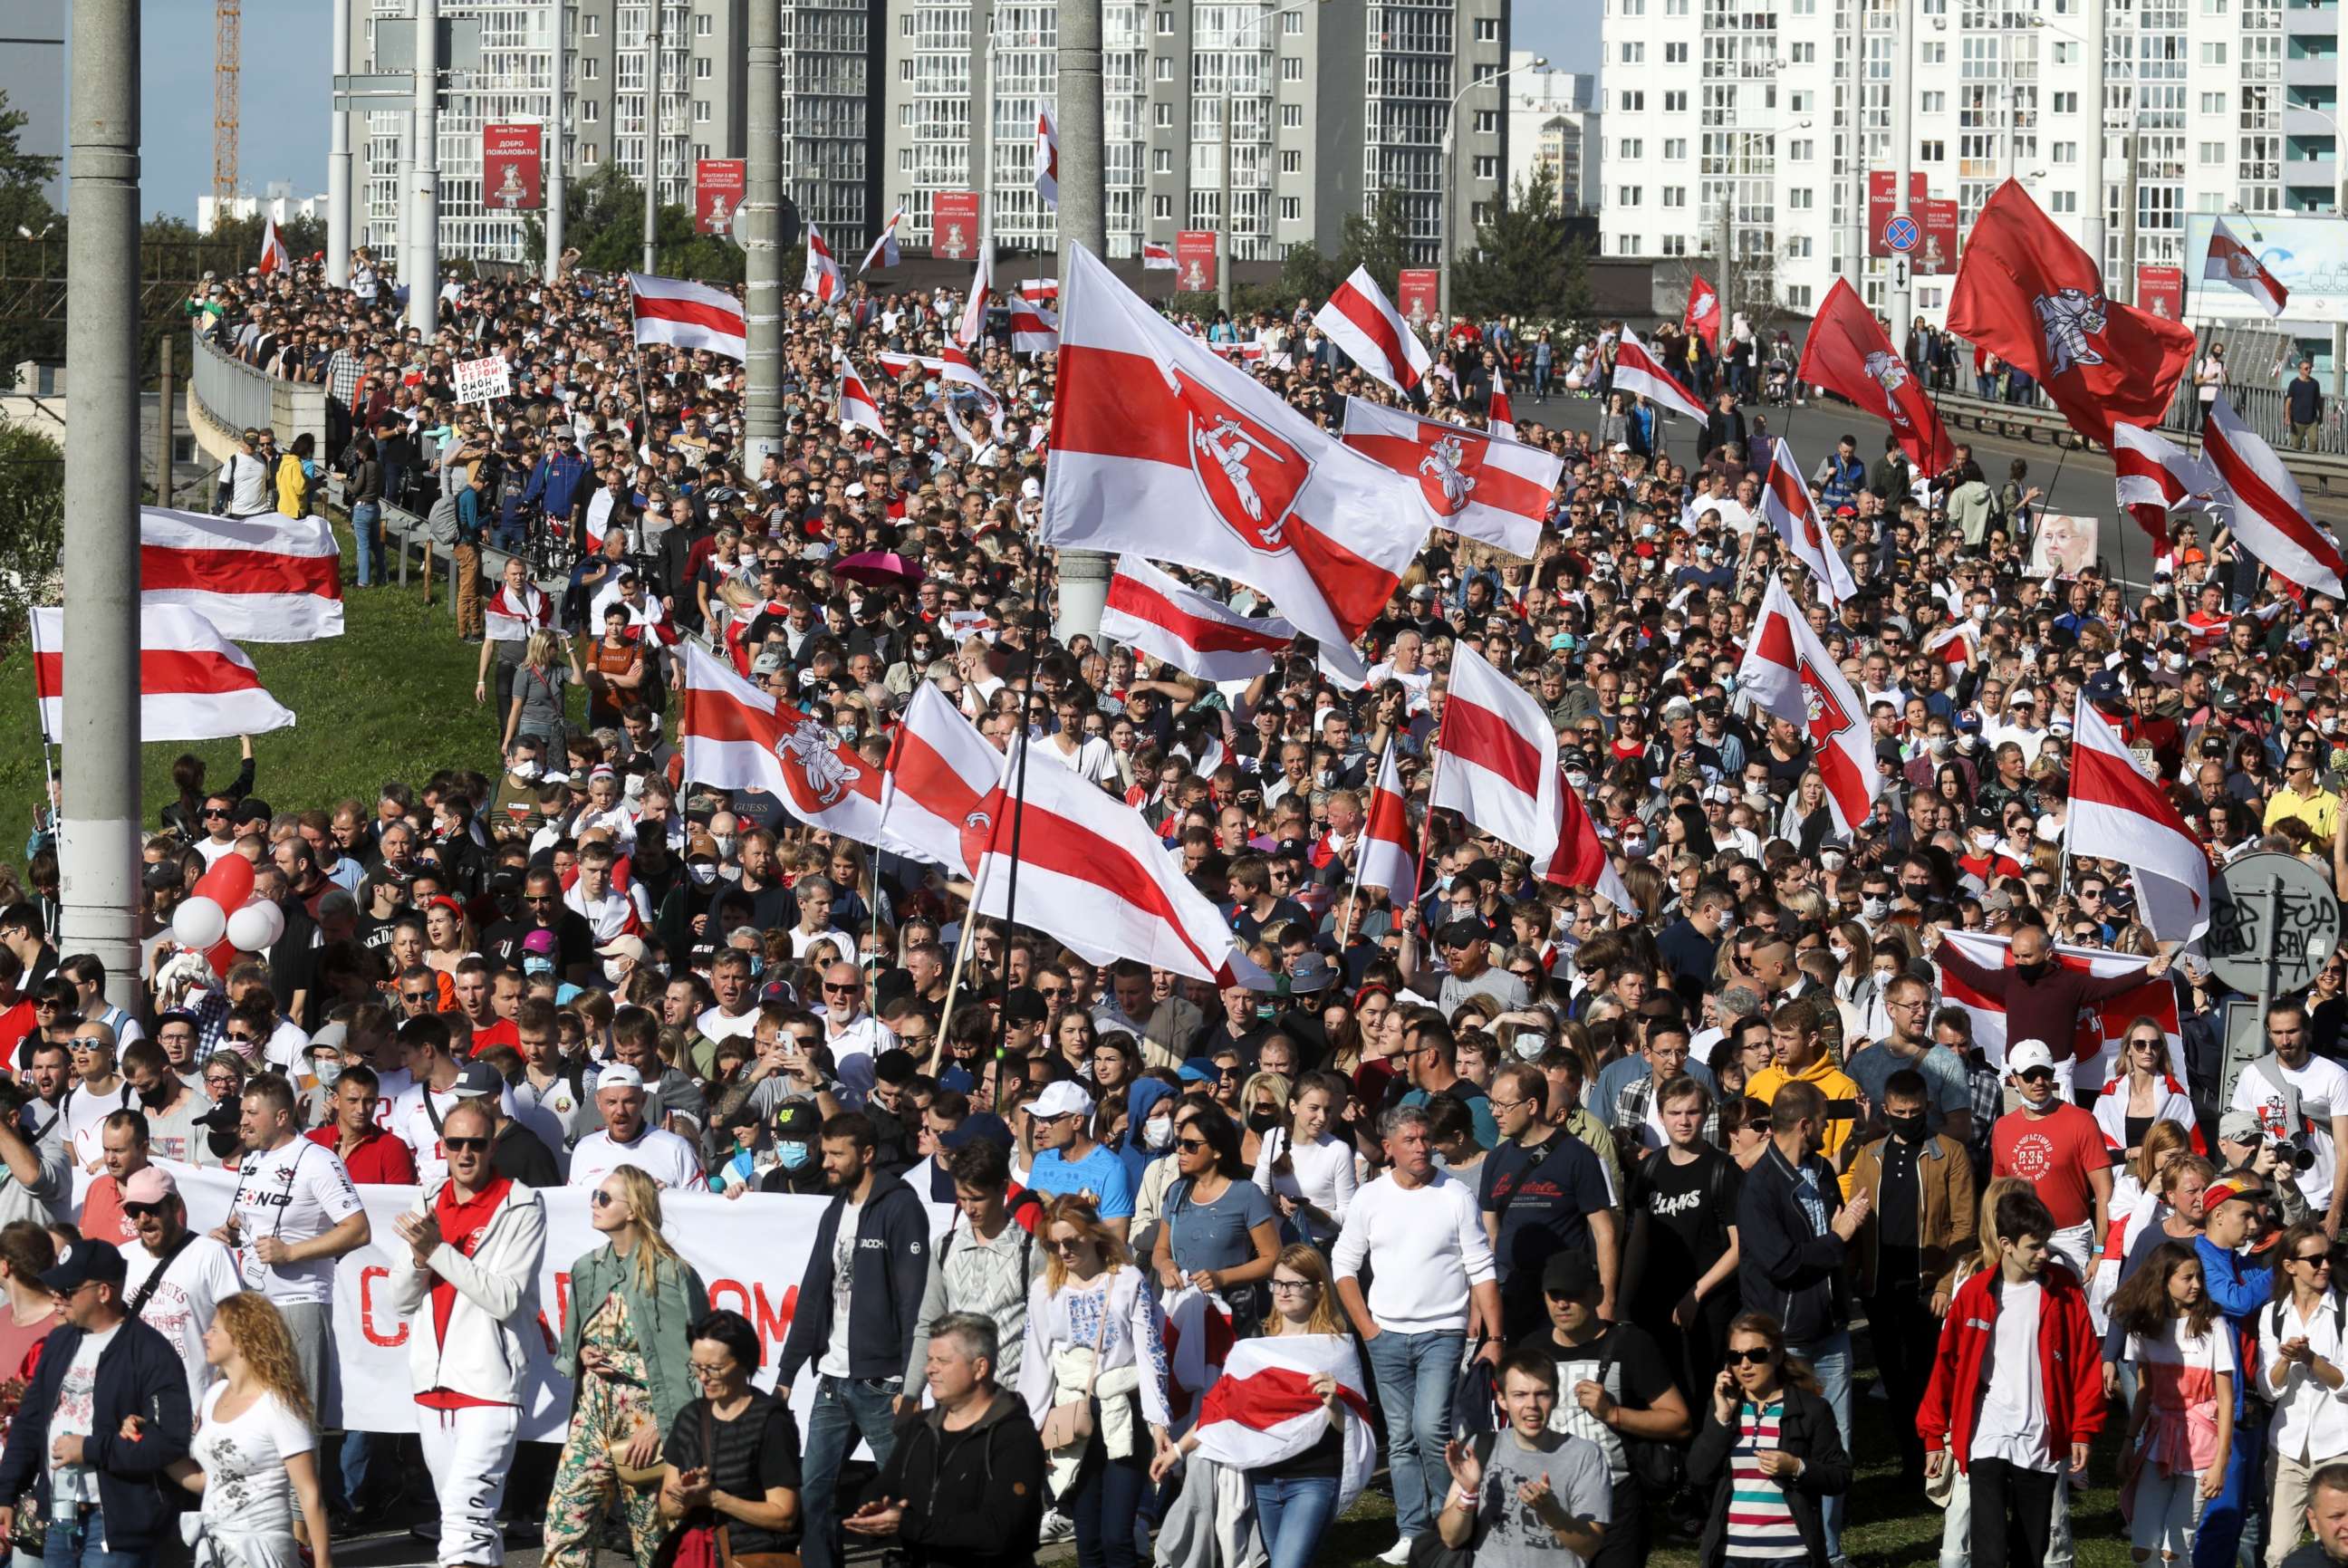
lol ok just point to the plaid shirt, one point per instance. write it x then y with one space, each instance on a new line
343 376
1631 1107
1989 1102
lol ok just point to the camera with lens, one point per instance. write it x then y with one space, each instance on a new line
2292 1153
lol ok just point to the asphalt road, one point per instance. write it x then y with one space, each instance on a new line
2077 482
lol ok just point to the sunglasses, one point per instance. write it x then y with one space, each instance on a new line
140 1211
240 1039
466 1145
2038 1075
1749 1357
600 1199
2316 1260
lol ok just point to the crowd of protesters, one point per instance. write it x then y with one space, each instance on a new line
1607 1218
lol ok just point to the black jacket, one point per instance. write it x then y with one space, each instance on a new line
1807 1431
138 1374
892 1270
1784 1267
973 1499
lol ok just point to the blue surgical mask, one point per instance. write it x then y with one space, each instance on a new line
794 1154
758 961
326 1072
537 964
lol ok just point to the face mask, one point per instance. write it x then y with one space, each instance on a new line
1980 614
1909 1127
758 961
1634 846
616 969
794 1155
525 771
725 842
634 787
2032 971
1885 976
1580 781
1841 953
1917 891
1874 908
160 1095
1531 1046
538 963
1263 1119
1937 744
702 873
2329 726
1157 1132
1445 882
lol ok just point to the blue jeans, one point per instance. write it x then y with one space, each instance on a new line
367 531
67 1546
1290 1516
2235 1517
1416 1374
1103 1506
1831 1359
844 1407
353 1467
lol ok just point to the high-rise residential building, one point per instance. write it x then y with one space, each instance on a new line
2206 105
32 76
1313 106
1553 124
699 92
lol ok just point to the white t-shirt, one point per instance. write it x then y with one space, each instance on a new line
413 1123
76 1415
668 1159
296 1192
181 1310
85 1115
2011 1425
390 1084
246 1490
716 1026
2322 1086
835 1362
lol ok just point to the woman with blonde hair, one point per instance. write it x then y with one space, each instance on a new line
255 1454
1093 1373
627 1349
549 664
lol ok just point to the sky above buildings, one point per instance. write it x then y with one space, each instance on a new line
283 132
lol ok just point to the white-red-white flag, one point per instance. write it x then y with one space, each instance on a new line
2118 814
1495 756
2269 517
1095 875
939 769
858 407
956 372
1042 291
1388 857
2102 1026
1637 370
1159 449
2232 261
1500 414
1580 858
1157 256
1264 1410
736 737
2153 477
982 294
824 280
1788 675
884 249
1152 612
1362 321
688 315
1953 644
510 617
193 683
1048 157
266 579
1474 483
274 256
1034 329
1786 503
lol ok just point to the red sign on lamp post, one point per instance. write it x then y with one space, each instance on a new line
1194 259
953 226
717 185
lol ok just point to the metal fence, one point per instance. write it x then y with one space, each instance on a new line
237 397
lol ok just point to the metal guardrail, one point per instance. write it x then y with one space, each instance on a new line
2325 471
239 397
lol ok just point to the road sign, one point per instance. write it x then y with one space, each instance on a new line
1898 270
2273 921
1901 233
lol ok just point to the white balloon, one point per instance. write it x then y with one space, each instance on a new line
199 923
256 926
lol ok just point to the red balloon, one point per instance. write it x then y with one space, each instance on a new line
222 956
228 882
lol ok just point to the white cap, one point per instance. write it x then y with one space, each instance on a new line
2027 1056
619 1075
1062 1098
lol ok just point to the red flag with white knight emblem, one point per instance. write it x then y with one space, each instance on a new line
1479 485
736 736
1702 316
2029 294
1161 449
1847 354
1788 673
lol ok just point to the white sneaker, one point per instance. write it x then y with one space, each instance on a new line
1057 1526
1398 1554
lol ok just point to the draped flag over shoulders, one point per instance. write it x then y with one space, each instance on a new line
1264 1410
2101 1027
2028 293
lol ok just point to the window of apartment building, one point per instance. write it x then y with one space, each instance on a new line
904 161
1800 54
1292 163
2066 103
1626 195
2066 53
1798 247
1484 73
2063 151
1798 103
1630 102
904 24
1291 117
1674 147
1675 103
2213 103
1162 115
1629 147
905 115
1291 209
1291 25
1487 168
1161 161
904 70
1487 121
1161 206
1626 244
1166 24
1675 53
1931 151
700 150
705 26
1291 67
1675 195
1634 53
591 111
703 67
1479 213
1635 8
1675 244
2213 53
2063 200
1801 198
1161 68
1931 103
701 111
1487 30
2213 152
589 154
1797 295
590 26
1933 54
1801 152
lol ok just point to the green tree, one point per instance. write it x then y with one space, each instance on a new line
31 523
1528 261
1380 241
604 221
23 205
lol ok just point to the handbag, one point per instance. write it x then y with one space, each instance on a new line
1072 1422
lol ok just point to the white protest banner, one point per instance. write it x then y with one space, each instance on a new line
750 1252
479 380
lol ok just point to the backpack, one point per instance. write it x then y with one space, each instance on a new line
440 522
2272 1332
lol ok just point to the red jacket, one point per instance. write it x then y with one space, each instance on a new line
2070 1365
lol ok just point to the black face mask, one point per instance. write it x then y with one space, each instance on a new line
2032 972
1911 1128
158 1097
1918 892
1262 1120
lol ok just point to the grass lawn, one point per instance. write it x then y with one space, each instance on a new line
390 698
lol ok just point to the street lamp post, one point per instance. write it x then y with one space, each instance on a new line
1223 210
2338 207
1450 141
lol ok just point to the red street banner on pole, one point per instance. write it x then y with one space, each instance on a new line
510 163
717 185
1419 294
1881 184
2161 291
1194 259
1937 216
953 226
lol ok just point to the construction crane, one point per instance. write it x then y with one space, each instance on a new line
227 55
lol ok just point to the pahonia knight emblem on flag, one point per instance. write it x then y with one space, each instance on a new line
1251 476
1827 717
817 773
2070 319
1888 371
1442 476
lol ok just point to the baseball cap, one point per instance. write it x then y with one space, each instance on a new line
619 1075
1024 1004
540 941
478 1080
1061 1099
2240 1126
2027 1056
1570 1274
1461 933
623 947
977 1124
2212 1197
1309 971
82 1263
798 1118
149 1184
